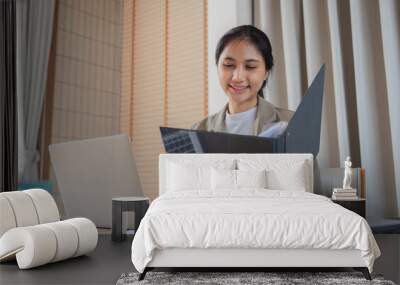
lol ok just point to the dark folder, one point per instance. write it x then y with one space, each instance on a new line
302 134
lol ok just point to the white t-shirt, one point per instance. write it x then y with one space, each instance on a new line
241 123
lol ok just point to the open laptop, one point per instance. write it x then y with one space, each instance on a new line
302 134
91 172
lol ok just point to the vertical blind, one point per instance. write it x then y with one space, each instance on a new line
164 75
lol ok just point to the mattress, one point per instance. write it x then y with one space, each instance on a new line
250 219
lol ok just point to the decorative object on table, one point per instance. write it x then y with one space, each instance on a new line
344 194
347 174
244 278
347 192
325 179
139 205
31 231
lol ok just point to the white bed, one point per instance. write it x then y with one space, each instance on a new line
202 220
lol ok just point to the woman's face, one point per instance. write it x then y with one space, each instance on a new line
241 71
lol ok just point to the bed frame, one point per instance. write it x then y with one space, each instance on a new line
242 259
249 258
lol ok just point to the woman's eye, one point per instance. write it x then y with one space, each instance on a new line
227 65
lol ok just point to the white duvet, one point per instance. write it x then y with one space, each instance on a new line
252 218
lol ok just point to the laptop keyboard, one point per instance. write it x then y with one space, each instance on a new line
178 142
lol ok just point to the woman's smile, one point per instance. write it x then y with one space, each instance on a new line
238 89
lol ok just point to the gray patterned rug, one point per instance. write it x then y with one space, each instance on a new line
228 278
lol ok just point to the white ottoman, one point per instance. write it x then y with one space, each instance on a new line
31 232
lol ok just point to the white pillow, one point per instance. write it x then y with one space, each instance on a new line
184 175
223 179
281 174
237 179
289 179
251 178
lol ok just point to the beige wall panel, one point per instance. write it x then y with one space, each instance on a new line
186 62
88 70
148 90
164 76
127 68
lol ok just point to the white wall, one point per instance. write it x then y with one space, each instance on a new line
222 16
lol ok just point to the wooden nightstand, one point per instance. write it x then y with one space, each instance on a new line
356 205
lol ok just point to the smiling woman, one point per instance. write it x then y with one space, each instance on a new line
244 61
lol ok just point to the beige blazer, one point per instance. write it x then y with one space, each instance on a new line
266 115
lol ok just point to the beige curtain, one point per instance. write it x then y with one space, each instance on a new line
359 41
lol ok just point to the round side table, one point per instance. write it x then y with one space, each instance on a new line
139 205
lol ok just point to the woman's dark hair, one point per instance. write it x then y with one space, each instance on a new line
254 36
